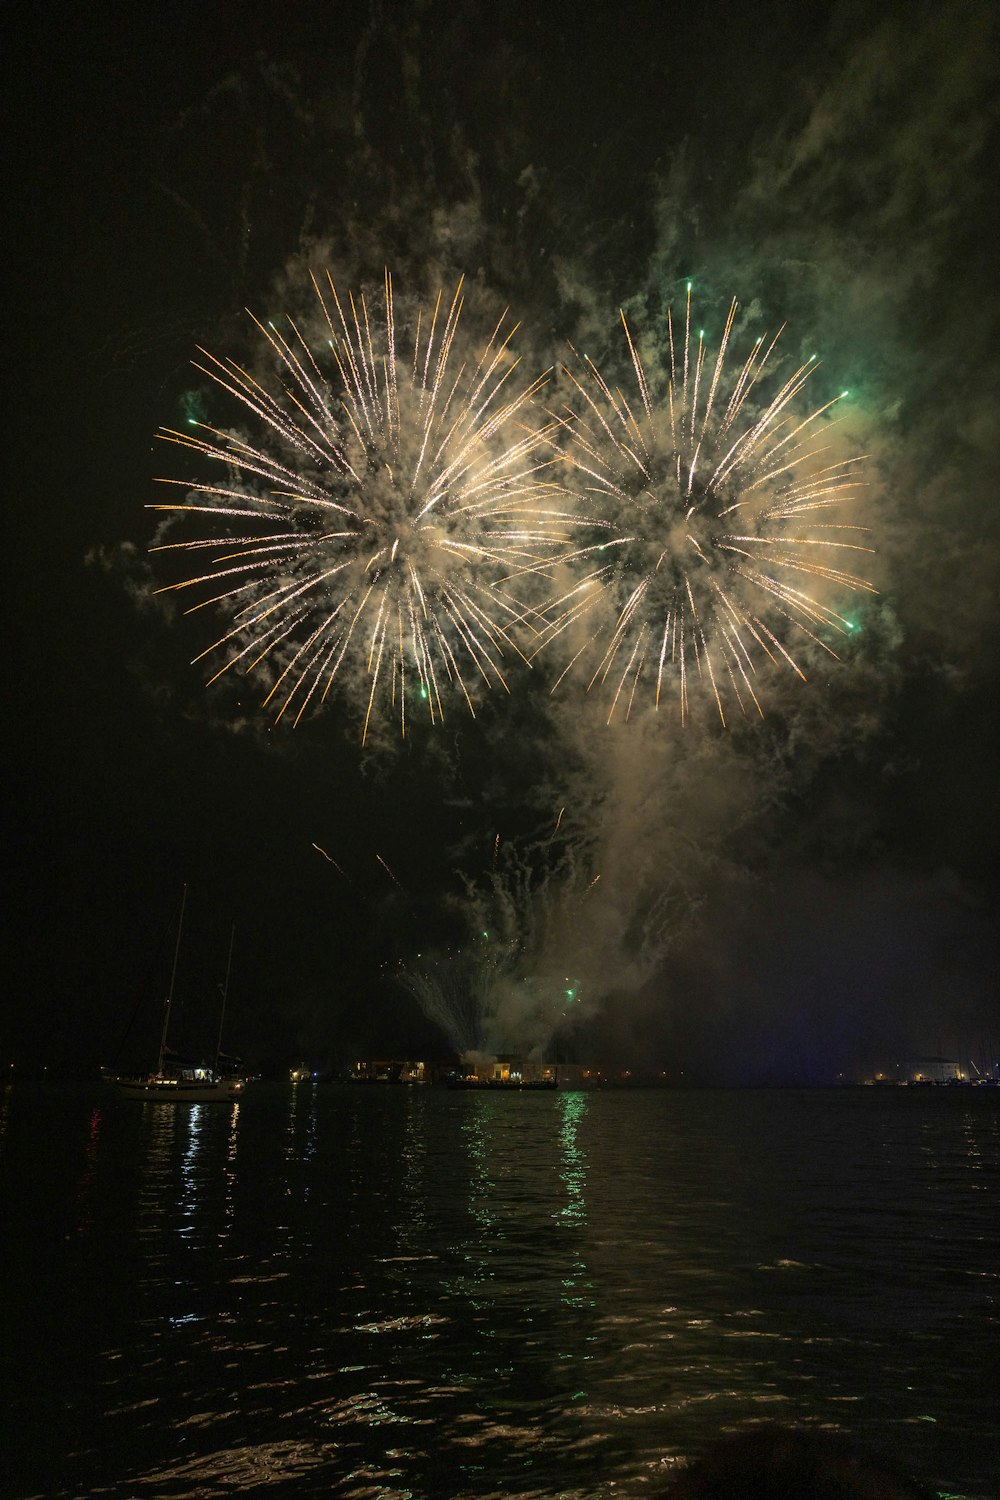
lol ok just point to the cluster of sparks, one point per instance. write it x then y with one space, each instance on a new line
505 982
380 531
483 1002
372 535
457 991
709 525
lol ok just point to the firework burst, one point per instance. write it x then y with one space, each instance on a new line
457 989
505 985
712 542
376 519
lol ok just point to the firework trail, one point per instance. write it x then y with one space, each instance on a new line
710 539
329 858
510 984
487 999
457 990
377 520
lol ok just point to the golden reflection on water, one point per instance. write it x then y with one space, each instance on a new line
229 1173
159 1129
88 1177
300 1132
5 1102
414 1170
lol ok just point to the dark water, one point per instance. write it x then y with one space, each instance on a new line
401 1292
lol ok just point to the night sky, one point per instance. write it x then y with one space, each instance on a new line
786 901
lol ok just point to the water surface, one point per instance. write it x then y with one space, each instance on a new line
394 1292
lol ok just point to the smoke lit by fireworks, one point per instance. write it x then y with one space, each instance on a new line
711 541
507 986
376 518
457 991
486 997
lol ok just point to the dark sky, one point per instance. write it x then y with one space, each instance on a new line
813 895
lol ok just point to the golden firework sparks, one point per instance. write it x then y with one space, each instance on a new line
375 524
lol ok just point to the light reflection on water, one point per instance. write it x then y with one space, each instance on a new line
408 1292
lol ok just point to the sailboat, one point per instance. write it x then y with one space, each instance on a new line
183 1083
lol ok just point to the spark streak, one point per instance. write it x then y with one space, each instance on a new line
388 871
320 850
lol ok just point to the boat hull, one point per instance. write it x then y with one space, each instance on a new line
179 1090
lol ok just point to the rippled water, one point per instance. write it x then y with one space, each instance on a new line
402 1292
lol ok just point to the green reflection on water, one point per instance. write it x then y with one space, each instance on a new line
573 1109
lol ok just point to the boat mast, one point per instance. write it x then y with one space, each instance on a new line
225 995
170 992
